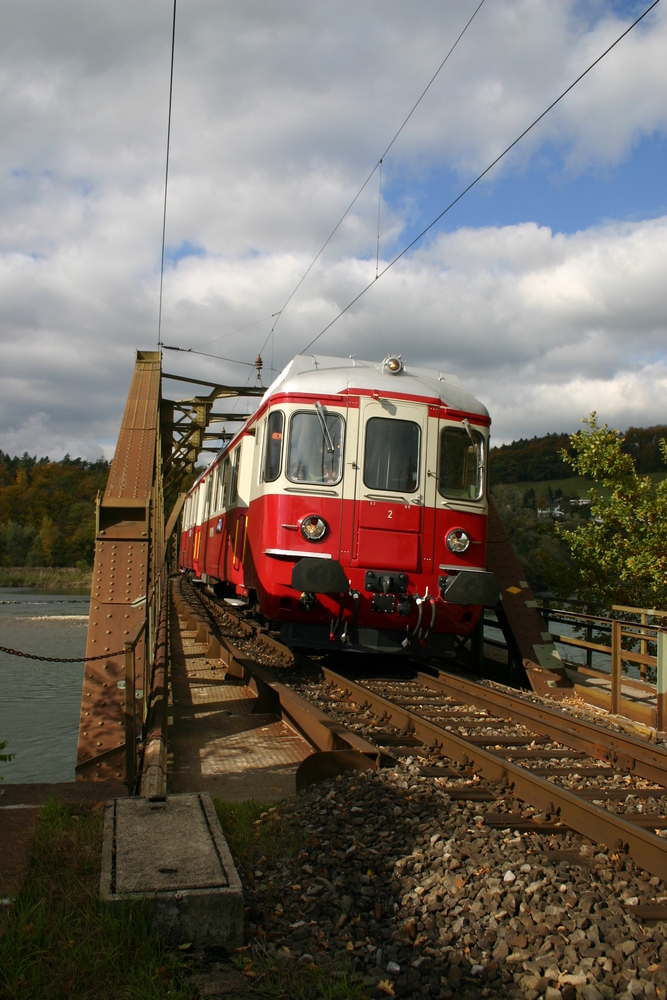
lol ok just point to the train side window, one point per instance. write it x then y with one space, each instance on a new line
234 479
391 459
273 446
201 500
461 465
315 448
224 484
207 498
214 489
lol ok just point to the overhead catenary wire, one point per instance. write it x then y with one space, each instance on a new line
203 354
240 329
166 174
478 178
363 186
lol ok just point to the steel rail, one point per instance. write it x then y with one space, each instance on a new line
645 759
615 832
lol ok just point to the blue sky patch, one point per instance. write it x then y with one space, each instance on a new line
543 193
173 254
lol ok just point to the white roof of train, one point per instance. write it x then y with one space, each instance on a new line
331 376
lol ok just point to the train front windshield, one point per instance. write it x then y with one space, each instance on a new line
461 472
315 448
391 459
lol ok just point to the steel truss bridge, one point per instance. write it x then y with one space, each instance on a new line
123 724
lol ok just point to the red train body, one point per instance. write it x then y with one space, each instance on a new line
353 505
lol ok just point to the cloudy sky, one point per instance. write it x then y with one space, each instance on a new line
543 289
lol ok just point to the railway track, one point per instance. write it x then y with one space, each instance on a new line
531 767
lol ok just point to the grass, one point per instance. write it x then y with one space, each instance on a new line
304 982
50 577
59 942
257 830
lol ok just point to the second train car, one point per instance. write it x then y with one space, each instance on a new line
352 507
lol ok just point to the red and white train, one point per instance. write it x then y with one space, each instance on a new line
352 506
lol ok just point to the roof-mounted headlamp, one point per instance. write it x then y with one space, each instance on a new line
393 364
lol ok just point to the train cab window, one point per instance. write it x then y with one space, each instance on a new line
234 479
461 469
315 447
391 459
273 446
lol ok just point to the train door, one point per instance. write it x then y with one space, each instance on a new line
199 511
430 453
238 518
349 484
390 488
203 542
210 561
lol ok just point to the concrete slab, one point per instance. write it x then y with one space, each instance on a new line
172 855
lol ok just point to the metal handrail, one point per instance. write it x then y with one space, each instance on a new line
641 632
130 711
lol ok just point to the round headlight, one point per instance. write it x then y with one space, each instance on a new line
313 528
458 541
393 364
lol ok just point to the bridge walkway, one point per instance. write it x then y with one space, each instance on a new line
216 740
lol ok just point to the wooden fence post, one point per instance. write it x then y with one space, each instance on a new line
643 645
662 679
616 627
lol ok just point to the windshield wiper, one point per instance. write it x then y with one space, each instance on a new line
323 424
479 452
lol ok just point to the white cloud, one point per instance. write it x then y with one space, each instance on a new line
279 113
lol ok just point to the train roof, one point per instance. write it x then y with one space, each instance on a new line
332 376
309 374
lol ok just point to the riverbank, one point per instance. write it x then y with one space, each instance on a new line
47 577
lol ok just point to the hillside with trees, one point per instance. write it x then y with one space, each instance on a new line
568 545
47 510
538 460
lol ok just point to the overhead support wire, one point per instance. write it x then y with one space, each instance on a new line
377 256
363 186
479 177
166 174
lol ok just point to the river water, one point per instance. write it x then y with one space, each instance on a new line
40 702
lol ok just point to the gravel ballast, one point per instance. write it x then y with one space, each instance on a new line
423 899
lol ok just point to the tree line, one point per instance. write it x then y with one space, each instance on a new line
539 459
47 510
